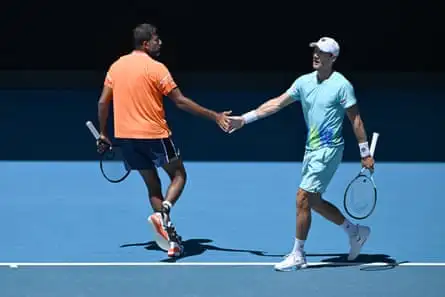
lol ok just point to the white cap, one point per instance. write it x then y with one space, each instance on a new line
327 45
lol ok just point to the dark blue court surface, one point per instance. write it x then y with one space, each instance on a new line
230 212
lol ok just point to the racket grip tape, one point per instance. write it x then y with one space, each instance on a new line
375 137
93 129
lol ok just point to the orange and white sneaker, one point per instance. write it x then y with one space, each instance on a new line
176 248
161 235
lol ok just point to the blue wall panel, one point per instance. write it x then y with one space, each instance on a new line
43 116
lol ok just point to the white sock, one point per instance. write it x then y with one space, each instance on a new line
298 246
167 204
349 227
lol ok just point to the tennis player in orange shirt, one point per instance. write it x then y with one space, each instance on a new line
136 84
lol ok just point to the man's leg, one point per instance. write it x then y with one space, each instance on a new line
331 159
154 188
178 177
357 234
161 218
138 156
319 167
166 155
327 210
304 219
296 258
305 202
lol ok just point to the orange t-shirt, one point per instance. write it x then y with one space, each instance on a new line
139 83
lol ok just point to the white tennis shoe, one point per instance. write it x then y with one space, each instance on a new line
357 240
293 261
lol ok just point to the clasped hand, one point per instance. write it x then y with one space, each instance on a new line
228 123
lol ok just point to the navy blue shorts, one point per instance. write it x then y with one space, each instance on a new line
148 153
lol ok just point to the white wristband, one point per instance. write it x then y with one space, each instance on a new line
364 149
250 117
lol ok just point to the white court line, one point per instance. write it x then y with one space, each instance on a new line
128 264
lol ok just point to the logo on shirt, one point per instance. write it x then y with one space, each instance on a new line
343 101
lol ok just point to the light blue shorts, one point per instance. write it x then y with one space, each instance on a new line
319 166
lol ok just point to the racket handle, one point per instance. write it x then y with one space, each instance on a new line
93 130
375 137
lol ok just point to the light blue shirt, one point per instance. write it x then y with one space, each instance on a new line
323 105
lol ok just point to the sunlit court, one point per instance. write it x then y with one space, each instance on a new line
68 230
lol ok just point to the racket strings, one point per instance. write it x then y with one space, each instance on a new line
360 197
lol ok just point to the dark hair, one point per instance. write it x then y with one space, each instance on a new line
143 32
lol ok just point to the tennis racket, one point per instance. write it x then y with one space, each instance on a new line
360 197
112 163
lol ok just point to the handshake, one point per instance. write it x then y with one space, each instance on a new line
228 123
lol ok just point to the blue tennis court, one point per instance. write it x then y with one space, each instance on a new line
78 235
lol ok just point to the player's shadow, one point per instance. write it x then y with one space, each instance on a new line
195 247
370 262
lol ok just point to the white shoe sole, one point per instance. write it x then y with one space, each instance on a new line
159 239
291 268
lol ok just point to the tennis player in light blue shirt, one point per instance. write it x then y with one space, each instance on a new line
325 96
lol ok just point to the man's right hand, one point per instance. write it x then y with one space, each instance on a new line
223 121
103 144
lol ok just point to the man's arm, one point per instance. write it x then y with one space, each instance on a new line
359 129
268 108
192 107
349 102
103 109
168 87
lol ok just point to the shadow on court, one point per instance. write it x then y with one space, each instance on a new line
381 261
194 247
361 259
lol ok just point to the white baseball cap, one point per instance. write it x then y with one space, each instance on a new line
327 45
